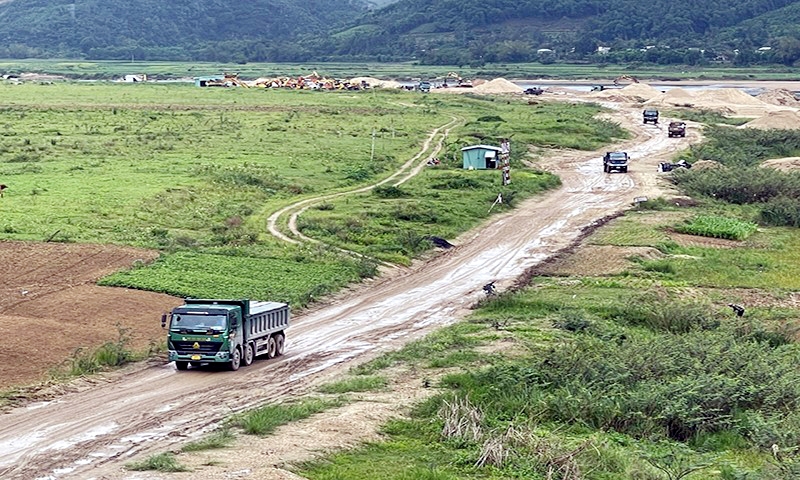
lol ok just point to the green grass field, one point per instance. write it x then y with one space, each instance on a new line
195 172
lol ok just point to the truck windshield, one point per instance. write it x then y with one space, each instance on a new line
181 321
618 156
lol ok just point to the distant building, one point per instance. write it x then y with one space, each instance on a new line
603 50
480 157
544 50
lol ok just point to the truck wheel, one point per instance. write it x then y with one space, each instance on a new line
181 365
280 340
624 169
272 347
236 360
248 357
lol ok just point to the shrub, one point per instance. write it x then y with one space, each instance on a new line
717 227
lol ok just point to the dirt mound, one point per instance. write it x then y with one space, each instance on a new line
706 165
779 96
642 90
779 120
498 85
788 164
727 96
672 97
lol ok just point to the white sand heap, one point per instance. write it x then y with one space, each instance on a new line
779 120
640 90
727 96
788 164
498 85
673 97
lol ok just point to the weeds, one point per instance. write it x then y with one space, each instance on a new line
265 420
162 462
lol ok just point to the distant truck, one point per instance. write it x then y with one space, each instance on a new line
615 161
424 86
234 332
676 129
650 115
534 91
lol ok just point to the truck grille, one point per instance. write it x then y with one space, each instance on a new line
187 347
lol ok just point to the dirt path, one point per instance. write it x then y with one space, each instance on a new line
92 433
412 167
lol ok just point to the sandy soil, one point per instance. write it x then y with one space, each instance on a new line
93 428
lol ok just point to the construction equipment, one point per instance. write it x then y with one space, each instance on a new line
676 129
233 332
626 78
668 167
534 91
615 161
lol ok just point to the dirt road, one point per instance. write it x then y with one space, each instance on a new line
92 433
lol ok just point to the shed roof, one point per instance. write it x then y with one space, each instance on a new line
484 147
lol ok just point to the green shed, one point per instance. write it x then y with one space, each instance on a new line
480 157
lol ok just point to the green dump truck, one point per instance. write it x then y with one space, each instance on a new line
234 332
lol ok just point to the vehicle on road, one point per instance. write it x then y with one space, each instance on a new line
234 332
650 115
615 161
534 91
424 86
676 129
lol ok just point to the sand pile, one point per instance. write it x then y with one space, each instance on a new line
779 120
672 97
375 82
779 96
640 90
498 85
727 96
787 164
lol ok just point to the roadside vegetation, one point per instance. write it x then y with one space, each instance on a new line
195 172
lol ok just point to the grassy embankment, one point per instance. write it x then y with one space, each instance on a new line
170 70
643 372
195 172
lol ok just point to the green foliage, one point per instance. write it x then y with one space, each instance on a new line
359 383
264 420
717 227
745 147
221 438
162 462
110 354
297 280
707 117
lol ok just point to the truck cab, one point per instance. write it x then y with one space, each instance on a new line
615 161
676 129
424 86
232 332
650 115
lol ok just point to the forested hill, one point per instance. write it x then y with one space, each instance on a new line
510 30
429 31
222 30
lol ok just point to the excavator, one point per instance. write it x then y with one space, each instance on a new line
617 82
628 78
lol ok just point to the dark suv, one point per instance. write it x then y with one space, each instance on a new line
615 161
650 115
